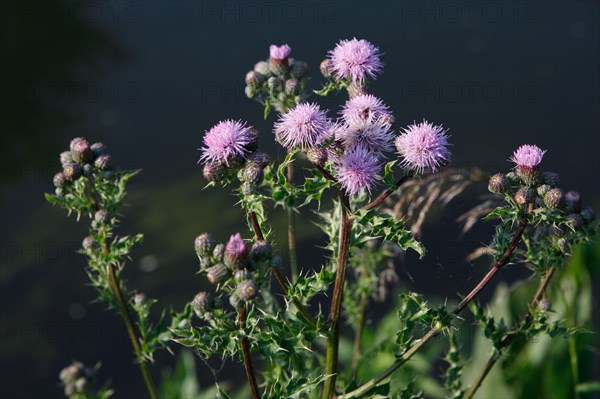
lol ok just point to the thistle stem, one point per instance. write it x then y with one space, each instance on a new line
115 287
539 293
246 354
279 277
336 301
437 328
383 196
292 229
360 324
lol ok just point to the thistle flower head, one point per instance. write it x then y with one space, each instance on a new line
304 126
357 169
528 156
423 145
355 60
375 134
225 141
364 106
279 53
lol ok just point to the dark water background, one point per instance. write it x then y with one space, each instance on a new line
148 77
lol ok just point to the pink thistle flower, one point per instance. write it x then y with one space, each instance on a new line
364 106
375 134
355 60
357 170
423 146
528 156
227 140
279 53
304 126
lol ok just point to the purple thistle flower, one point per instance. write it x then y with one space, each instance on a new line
357 170
423 146
355 60
279 53
364 106
375 134
528 156
304 126
225 141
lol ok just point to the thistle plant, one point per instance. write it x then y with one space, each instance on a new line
370 186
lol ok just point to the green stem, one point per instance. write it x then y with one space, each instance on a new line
364 300
336 301
292 229
574 366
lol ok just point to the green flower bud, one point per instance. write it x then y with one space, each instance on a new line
498 183
215 171
66 158
512 178
218 252
103 162
248 189
59 192
218 273
588 214
553 198
545 304
98 149
274 83
575 220
523 196
261 251
59 180
87 170
247 290
139 299
242 275
89 244
262 67
101 216
543 189
572 201
325 68
253 174
291 87
250 92
299 69
550 178
254 79
202 303
204 244
72 171
235 301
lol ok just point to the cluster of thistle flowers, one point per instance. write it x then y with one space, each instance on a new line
356 143
279 80
77 380
528 186
236 270
82 160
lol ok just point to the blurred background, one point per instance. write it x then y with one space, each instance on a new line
149 77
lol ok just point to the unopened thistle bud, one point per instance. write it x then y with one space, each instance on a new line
529 176
553 198
72 171
291 87
235 301
103 162
87 170
217 274
253 137
66 158
236 253
98 149
80 150
274 83
254 79
325 68
59 180
573 201
218 252
299 69
260 159
248 189
101 216
588 214
262 67
523 195
277 262
253 174
543 189
250 92
242 275
512 178
545 304
575 220
498 183
139 299
214 171
261 251
247 290
317 156
550 178
204 244
202 303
